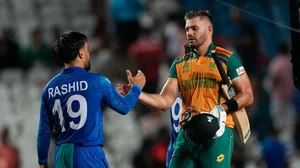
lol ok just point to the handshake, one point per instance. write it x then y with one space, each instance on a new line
139 79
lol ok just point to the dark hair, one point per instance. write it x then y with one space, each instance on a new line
198 12
68 45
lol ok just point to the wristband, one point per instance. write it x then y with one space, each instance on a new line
232 105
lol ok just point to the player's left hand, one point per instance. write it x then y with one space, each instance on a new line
124 89
220 113
217 109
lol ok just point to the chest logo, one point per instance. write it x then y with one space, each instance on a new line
186 67
212 65
220 158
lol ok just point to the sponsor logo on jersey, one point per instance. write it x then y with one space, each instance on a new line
202 82
240 70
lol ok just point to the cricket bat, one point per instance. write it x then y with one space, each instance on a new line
240 117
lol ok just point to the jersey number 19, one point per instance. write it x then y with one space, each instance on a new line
82 112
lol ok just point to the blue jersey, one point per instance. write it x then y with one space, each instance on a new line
72 104
175 113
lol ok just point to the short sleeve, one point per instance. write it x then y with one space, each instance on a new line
235 67
172 72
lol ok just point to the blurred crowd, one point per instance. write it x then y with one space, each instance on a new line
146 35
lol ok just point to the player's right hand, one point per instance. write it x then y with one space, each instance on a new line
124 89
139 79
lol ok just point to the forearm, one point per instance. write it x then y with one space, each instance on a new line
123 104
244 99
154 101
130 100
43 143
44 134
244 94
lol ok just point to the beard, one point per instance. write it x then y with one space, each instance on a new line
201 40
88 66
194 45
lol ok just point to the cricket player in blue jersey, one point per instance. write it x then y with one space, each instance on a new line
72 104
175 114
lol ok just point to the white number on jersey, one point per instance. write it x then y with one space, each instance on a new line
82 112
176 114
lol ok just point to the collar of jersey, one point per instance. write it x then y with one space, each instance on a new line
72 69
207 54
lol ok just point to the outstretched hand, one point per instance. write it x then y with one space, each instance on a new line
139 79
124 89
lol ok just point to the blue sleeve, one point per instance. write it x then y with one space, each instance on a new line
117 102
44 133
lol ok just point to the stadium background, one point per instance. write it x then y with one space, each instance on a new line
139 140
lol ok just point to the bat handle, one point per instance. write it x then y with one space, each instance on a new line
231 91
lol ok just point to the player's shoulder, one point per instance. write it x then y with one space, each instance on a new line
98 78
92 75
183 58
95 75
223 53
52 81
